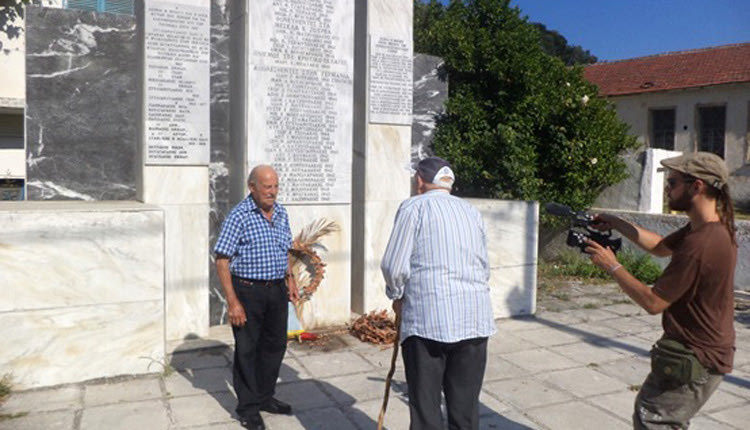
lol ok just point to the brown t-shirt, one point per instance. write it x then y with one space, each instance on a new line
699 284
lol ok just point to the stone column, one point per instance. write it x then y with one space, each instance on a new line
382 139
173 151
291 107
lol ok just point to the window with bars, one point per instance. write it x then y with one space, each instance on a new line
110 6
662 128
711 128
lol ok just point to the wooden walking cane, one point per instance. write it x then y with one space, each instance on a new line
388 378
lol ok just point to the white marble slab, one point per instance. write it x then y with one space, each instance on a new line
512 234
512 229
61 345
83 291
388 163
379 216
390 62
174 184
330 305
54 255
176 57
300 73
186 270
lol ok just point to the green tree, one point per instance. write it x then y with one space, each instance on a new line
11 14
519 123
556 44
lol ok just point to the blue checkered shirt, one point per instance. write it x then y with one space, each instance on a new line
436 261
257 248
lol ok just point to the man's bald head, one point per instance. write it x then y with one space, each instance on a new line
260 170
264 186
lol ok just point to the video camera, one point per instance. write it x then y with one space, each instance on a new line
580 229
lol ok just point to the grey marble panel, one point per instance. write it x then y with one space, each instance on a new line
80 105
218 168
430 93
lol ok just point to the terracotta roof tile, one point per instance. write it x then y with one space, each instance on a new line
674 70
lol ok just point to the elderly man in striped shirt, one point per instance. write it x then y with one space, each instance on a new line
436 272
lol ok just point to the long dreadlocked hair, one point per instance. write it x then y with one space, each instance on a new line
725 208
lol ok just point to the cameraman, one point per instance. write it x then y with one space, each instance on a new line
695 292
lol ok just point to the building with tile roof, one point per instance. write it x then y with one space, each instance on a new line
685 101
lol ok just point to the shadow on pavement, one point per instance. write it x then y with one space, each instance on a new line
488 418
317 404
599 340
335 411
207 368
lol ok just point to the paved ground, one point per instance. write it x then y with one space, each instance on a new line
576 365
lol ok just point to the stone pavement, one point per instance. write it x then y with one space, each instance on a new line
572 369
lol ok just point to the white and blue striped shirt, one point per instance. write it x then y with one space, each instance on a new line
436 260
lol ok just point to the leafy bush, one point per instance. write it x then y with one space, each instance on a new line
640 265
576 265
572 264
6 384
519 124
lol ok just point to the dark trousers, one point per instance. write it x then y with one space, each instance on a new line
260 344
457 369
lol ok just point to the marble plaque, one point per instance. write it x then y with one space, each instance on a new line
391 80
300 77
177 86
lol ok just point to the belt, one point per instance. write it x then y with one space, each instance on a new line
263 282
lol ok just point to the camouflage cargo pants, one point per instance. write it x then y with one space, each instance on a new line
662 406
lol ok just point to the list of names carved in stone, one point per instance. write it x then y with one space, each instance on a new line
177 83
391 81
297 70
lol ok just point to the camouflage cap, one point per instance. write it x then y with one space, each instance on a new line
706 166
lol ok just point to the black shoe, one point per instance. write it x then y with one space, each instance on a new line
276 406
253 422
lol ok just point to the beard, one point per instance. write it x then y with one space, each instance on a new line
682 202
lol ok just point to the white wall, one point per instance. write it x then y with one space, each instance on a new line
83 291
512 236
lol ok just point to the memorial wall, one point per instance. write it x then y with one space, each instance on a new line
382 144
173 39
300 92
299 115
291 107
342 140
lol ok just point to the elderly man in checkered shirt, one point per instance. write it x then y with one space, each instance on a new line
252 265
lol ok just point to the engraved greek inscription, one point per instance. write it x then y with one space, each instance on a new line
176 56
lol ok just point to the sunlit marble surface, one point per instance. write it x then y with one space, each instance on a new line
330 305
512 231
83 290
387 162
